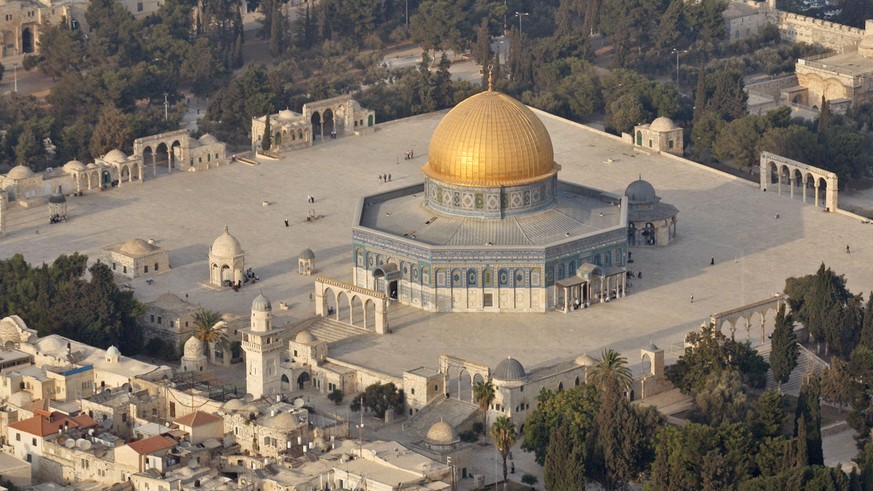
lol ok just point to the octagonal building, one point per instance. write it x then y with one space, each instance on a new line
491 228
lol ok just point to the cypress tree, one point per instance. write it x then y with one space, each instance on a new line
801 454
867 325
267 140
784 351
809 412
700 94
564 466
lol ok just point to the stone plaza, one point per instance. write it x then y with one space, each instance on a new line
721 218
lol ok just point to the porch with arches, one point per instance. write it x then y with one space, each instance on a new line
351 305
821 185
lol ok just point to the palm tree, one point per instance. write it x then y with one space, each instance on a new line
483 394
611 372
504 434
209 329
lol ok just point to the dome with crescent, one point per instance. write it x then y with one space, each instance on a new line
490 140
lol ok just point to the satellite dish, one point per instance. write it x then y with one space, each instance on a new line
70 443
185 444
299 402
91 432
248 398
83 444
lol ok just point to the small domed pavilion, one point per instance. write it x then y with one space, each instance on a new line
650 222
226 261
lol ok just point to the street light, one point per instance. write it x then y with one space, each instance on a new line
15 76
166 107
520 15
407 15
676 52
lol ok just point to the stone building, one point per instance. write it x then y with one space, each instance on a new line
329 118
491 228
169 318
266 432
840 78
650 222
663 135
21 23
136 258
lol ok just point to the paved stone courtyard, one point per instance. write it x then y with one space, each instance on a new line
719 217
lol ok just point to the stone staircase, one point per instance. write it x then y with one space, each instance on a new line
459 415
329 330
807 363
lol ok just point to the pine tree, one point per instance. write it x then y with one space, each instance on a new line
564 466
267 140
809 412
784 350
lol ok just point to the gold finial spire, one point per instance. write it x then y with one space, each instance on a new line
490 78
225 229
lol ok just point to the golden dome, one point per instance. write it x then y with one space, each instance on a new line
490 139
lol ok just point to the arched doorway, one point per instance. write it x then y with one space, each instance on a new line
286 383
148 156
26 40
639 138
370 120
327 124
161 157
317 126
175 155
303 381
226 274
106 179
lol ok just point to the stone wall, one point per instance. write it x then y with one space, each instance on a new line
800 28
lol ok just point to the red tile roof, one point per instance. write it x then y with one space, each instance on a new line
197 418
44 425
152 444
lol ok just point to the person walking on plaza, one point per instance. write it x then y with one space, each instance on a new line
692 298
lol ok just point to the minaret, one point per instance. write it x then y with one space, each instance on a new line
263 347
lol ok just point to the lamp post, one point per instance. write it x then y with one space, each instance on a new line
520 15
407 15
166 107
676 52
15 77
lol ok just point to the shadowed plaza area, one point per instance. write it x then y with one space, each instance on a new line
719 218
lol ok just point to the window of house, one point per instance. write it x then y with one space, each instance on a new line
28 458
145 269
152 318
139 6
124 418
114 266
124 269
160 320
33 441
669 143
413 391
172 409
156 266
18 437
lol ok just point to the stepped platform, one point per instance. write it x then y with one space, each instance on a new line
459 415
329 330
807 364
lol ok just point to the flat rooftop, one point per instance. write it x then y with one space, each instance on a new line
720 218
850 63
578 211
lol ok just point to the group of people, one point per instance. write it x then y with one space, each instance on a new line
251 276
57 218
310 198
384 178
410 154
